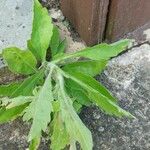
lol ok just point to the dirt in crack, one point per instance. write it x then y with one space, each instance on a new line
7 77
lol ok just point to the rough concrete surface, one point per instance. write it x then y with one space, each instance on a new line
15 22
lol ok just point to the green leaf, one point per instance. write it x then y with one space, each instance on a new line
2 109
24 88
14 102
76 92
55 40
91 68
74 126
57 46
108 106
20 61
30 47
62 47
73 145
27 86
12 113
40 109
60 137
41 32
99 52
104 51
99 95
56 106
93 84
7 90
34 144
77 106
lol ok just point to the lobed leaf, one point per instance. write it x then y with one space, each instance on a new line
40 109
19 61
41 32
74 126
60 137
14 102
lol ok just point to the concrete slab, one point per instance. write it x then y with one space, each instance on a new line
15 22
128 78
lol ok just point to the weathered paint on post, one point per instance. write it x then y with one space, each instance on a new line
88 17
110 20
125 16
